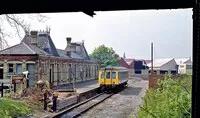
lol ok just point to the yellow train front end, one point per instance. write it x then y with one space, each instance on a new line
109 79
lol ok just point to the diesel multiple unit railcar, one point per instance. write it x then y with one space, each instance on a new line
112 78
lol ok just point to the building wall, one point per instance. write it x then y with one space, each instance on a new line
19 63
132 65
185 69
123 63
171 65
60 69
138 65
64 73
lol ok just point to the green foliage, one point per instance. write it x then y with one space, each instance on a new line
11 108
171 100
106 55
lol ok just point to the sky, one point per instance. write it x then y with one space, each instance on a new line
125 31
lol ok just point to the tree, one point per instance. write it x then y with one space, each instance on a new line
106 55
19 24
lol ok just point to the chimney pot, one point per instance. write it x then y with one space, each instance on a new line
69 39
68 48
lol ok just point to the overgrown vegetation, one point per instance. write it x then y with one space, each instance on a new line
171 100
12 108
105 55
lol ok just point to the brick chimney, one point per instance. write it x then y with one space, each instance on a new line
34 37
68 48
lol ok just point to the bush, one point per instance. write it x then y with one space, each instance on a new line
11 108
171 100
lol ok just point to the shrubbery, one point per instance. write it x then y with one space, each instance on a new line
10 108
171 100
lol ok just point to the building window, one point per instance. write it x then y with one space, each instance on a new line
181 66
113 75
10 68
19 68
102 75
107 75
189 67
1 65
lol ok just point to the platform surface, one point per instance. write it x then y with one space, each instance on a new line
80 86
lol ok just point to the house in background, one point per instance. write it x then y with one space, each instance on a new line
38 54
184 66
123 63
162 66
135 66
140 67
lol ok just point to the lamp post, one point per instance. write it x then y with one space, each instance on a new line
152 58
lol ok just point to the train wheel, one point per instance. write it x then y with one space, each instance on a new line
116 90
99 90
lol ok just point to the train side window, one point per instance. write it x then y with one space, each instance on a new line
107 75
113 75
102 75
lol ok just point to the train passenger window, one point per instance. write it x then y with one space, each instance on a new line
113 75
102 75
107 75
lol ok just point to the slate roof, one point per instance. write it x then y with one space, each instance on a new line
114 67
45 47
83 54
159 62
74 55
128 61
62 53
181 61
23 49
44 41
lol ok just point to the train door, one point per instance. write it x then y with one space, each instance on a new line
114 77
108 77
101 77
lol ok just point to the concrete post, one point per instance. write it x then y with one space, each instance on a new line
24 67
5 70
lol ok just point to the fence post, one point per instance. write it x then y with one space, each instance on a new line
1 89
27 83
14 87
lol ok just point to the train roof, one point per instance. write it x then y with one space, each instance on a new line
114 68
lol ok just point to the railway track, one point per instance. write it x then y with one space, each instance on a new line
80 108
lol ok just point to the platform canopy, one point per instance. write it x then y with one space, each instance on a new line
88 7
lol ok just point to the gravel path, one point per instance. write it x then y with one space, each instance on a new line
122 104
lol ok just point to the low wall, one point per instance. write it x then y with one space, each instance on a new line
88 94
144 73
74 99
153 79
65 102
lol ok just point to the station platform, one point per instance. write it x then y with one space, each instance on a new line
81 87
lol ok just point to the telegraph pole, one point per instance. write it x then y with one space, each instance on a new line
151 58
